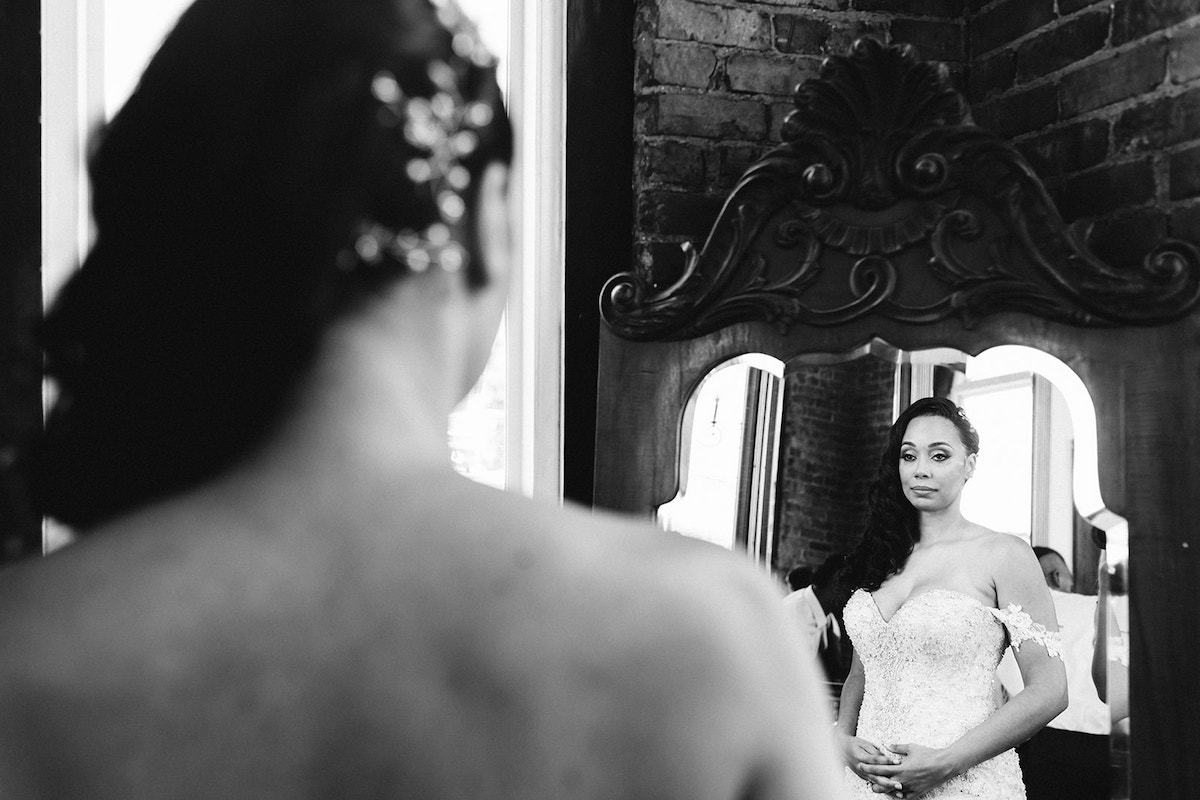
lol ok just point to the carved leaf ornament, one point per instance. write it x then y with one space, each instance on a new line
885 199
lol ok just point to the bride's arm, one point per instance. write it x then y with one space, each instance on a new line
855 751
1027 611
851 698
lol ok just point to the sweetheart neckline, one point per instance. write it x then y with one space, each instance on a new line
911 597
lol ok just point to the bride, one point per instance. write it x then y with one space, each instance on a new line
934 600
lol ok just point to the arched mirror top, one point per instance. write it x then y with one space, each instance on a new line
885 202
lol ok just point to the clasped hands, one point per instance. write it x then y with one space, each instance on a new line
901 771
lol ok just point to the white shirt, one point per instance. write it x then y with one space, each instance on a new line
815 624
1085 712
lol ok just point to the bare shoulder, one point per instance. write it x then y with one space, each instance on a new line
479 610
680 645
655 599
657 576
1005 548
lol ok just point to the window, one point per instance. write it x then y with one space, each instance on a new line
1022 484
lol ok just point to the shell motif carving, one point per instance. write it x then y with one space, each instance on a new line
885 199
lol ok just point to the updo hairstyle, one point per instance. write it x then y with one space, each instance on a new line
253 190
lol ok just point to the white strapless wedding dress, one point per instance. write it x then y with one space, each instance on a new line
931 677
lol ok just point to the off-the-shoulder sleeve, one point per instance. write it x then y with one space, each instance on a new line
1022 628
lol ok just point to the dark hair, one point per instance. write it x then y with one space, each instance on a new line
892 527
799 577
227 193
1042 552
827 572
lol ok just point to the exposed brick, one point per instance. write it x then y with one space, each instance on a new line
1143 127
947 9
1105 190
1059 47
1184 173
708 115
1066 7
797 34
680 19
1020 112
1069 149
732 164
1006 22
1133 19
645 115
833 419
677 64
1123 75
991 75
662 261
678 163
846 31
1185 223
1162 122
643 67
748 72
678 213
1183 59
779 112
1127 237
935 41
826 5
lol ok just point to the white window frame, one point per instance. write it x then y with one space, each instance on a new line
537 102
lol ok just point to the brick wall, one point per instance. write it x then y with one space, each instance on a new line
714 80
1104 100
1102 96
836 418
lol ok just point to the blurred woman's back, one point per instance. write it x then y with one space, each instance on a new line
282 588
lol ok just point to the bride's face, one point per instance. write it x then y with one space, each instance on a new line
934 463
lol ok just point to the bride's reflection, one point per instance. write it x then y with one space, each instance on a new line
795 445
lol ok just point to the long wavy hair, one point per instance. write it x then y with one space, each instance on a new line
225 190
892 528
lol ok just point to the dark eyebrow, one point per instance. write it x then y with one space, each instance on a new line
931 444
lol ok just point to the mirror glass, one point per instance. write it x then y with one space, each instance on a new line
775 460
728 449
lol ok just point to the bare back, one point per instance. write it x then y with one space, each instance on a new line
487 646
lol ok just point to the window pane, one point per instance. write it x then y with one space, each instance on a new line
478 426
133 30
1000 494
707 508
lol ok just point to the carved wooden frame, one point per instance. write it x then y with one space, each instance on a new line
886 200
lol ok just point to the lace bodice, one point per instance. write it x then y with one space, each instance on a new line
931 676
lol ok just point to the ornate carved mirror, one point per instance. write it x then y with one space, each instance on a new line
892 239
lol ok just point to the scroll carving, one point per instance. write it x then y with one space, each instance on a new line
885 199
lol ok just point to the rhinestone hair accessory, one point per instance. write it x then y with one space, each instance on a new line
443 130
